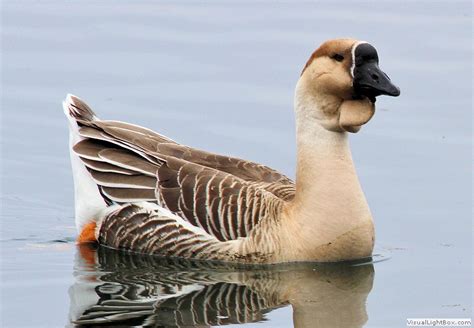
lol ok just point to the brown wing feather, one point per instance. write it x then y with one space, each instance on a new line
220 203
152 143
105 167
267 178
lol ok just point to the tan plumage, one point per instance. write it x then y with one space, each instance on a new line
164 198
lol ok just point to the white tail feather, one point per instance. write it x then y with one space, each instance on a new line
88 201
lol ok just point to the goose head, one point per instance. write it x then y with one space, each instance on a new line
339 85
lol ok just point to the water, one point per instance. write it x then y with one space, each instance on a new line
221 77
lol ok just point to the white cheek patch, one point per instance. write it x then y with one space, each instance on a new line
353 50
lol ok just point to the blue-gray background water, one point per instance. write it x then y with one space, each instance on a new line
220 76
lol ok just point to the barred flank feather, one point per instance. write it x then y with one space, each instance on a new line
146 229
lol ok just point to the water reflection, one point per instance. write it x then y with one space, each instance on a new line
120 289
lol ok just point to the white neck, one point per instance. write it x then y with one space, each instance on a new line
329 200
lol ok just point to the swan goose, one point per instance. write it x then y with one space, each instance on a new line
140 191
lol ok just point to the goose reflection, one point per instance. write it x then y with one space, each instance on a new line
114 288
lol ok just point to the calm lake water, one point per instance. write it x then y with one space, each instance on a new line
221 78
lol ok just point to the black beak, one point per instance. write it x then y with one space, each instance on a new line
369 79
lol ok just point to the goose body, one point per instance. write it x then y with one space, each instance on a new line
140 191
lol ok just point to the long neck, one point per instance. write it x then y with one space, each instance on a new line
329 200
324 165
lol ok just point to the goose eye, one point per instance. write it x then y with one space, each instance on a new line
338 57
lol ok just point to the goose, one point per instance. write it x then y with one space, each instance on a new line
139 191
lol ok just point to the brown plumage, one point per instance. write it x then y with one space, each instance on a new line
222 198
219 194
330 49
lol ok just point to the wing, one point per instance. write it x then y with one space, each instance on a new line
149 142
223 205
224 196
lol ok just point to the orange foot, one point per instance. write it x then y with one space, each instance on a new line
87 234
